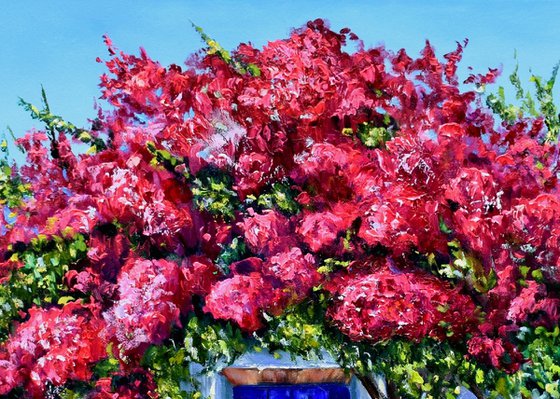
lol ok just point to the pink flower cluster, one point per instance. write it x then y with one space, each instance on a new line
388 303
52 347
150 301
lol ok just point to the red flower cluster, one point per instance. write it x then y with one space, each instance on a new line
52 347
135 384
241 298
496 352
258 287
388 303
151 298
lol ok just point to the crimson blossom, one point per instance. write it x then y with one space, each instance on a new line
310 194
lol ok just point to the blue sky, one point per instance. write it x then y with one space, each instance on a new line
55 42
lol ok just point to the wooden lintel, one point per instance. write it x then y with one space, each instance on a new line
255 376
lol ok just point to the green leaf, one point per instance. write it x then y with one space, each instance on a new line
213 192
479 379
443 227
254 70
63 300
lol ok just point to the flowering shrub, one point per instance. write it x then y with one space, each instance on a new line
310 194
403 300
132 328
53 346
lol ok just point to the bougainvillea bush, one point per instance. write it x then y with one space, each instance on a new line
311 195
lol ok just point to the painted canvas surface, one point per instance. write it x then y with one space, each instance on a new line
310 218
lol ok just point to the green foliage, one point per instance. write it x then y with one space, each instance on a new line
169 366
234 252
12 188
280 196
107 366
168 161
213 344
39 280
509 113
542 106
464 266
56 124
429 369
205 342
543 92
300 330
9 307
330 265
443 227
213 193
433 368
541 376
374 135
214 48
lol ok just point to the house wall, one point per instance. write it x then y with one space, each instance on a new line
216 385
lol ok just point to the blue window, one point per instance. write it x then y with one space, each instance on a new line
299 391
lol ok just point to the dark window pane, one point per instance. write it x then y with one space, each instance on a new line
280 392
339 391
311 392
250 392
302 391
